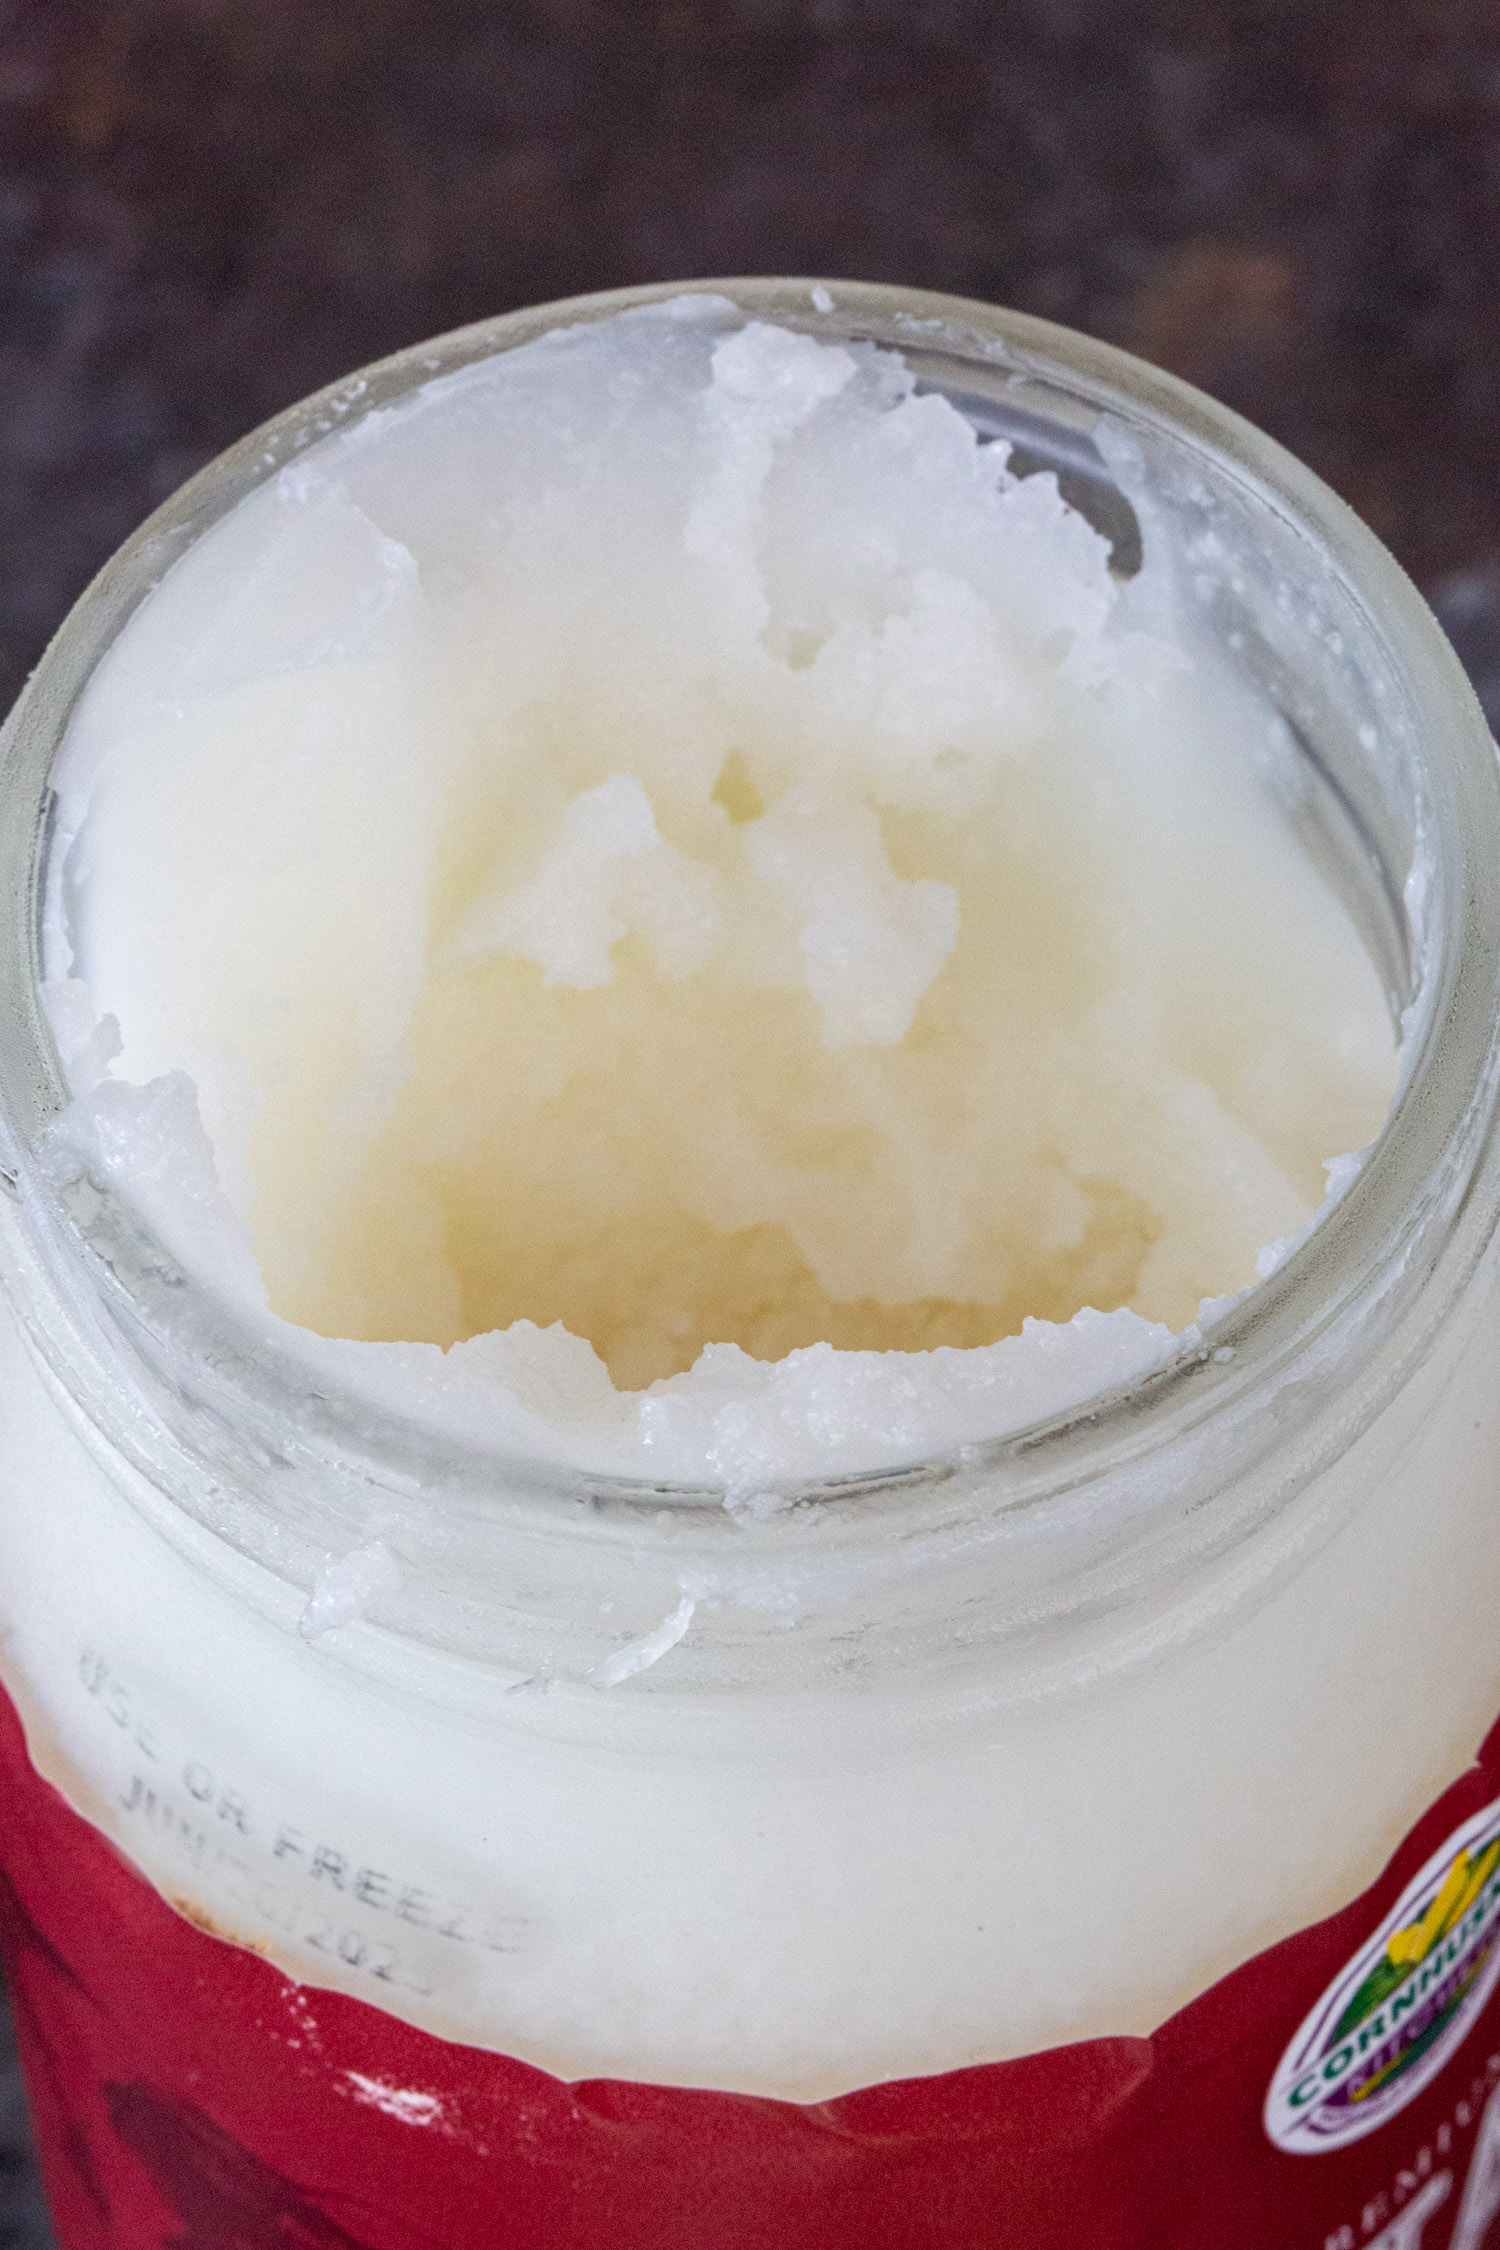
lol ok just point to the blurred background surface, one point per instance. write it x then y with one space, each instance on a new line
210 207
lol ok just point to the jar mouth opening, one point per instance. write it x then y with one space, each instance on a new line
1430 927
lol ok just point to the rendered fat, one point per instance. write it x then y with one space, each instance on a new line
655 853
668 872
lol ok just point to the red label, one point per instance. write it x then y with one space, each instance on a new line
1339 2092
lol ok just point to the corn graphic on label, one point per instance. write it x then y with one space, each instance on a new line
1388 2023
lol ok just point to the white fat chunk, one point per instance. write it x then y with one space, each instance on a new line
655 904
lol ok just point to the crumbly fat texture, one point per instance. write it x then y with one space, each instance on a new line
707 934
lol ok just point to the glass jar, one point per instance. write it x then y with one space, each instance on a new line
1016 1751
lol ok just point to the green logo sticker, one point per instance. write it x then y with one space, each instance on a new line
1390 2021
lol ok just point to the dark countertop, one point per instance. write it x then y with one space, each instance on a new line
23 2215
208 209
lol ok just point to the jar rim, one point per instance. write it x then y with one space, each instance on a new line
1417 1204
